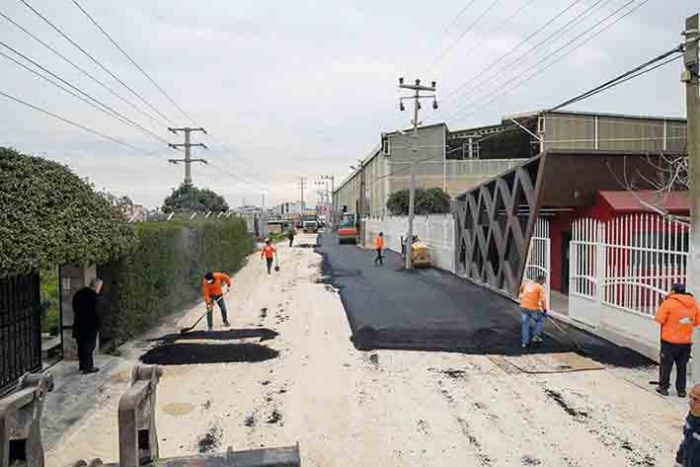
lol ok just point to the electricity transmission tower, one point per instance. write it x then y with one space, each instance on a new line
188 155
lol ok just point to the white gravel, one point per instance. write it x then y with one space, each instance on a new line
384 408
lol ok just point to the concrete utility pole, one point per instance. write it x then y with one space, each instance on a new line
332 197
302 185
188 156
416 97
692 102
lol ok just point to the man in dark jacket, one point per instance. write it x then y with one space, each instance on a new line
688 454
86 324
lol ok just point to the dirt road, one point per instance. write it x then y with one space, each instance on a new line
388 408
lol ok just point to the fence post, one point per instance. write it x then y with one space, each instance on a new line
600 265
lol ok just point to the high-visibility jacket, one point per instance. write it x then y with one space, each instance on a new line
268 252
214 290
533 296
379 242
678 314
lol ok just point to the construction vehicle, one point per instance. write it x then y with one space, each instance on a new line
347 229
20 432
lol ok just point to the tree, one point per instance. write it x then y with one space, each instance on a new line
193 199
429 201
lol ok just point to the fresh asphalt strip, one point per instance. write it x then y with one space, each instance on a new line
171 350
430 310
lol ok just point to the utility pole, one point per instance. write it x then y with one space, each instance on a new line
302 185
332 197
187 145
692 103
416 97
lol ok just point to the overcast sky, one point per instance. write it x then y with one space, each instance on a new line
304 88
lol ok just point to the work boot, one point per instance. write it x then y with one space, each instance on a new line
524 346
537 340
91 370
682 393
662 391
226 324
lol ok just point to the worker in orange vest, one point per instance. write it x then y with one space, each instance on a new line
212 292
268 252
677 315
379 246
533 305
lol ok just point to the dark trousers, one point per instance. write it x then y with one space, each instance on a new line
86 348
269 264
210 311
291 241
670 354
379 259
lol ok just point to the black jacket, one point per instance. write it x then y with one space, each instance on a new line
688 454
86 321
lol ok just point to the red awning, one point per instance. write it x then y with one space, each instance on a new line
627 201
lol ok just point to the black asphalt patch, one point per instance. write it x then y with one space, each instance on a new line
191 353
263 334
431 310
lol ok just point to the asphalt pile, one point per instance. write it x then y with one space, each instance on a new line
199 347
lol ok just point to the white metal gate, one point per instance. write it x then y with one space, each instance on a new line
539 255
628 263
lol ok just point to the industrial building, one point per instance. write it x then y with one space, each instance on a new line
462 159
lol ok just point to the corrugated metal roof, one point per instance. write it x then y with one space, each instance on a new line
626 201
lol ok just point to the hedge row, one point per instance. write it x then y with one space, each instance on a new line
163 271
49 216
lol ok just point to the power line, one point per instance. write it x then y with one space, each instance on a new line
464 33
578 18
74 65
131 59
458 15
72 123
100 105
498 27
500 92
498 60
622 78
94 60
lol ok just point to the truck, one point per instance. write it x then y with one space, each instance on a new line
309 223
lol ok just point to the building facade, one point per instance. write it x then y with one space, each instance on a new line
459 160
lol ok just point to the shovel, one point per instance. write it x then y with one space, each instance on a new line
186 330
566 334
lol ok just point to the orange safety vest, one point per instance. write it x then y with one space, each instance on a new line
268 252
209 290
678 315
532 296
378 242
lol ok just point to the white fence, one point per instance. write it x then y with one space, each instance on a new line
539 255
437 231
620 271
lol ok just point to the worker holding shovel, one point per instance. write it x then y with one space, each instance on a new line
212 292
268 252
533 305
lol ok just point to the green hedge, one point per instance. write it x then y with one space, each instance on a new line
163 272
49 216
